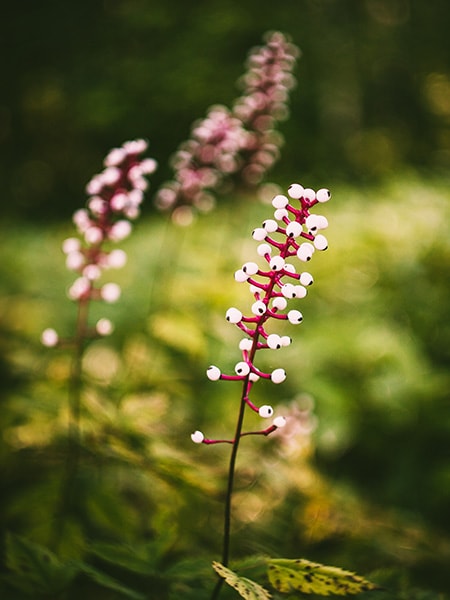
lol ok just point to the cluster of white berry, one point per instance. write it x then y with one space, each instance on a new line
294 232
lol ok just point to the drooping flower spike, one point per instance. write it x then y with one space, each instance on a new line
115 196
237 145
294 233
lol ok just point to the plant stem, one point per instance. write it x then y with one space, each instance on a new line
229 493
74 434
231 474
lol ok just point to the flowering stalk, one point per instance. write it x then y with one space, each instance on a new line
237 145
115 196
264 103
294 232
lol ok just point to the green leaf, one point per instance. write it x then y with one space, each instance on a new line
135 559
108 582
308 577
35 569
247 588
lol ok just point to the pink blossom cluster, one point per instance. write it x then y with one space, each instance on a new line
115 196
203 163
237 145
264 102
294 232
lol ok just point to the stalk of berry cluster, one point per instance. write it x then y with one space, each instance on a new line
237 145
115 196
294 233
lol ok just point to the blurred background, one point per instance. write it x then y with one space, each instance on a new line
361 477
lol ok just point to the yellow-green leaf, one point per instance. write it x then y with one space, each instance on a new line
248 589
301 575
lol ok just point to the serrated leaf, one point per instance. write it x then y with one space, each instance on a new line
248 589
301 575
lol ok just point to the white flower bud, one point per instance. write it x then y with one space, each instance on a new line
265 411
323 195
71 245
279 302
289 268
309 194
115 157
279 422
280 214
110 175
270 225
278 376
118 202
94 186
305 251
197 437
288 290
264 249
259 234
259 308
277 263
93 235
286 340
233 315
295 317
120 230
104 327
294 229
320 242
116 258
240 276
274 341
245 344
78 288
149 166
280 201
92 272
49 338
306 278
74 261
242 368
299 291
251 268
295 191
213 373
81 219
110 292
97 205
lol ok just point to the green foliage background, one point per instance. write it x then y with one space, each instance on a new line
80 77
365 484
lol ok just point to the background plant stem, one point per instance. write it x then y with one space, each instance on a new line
65 499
